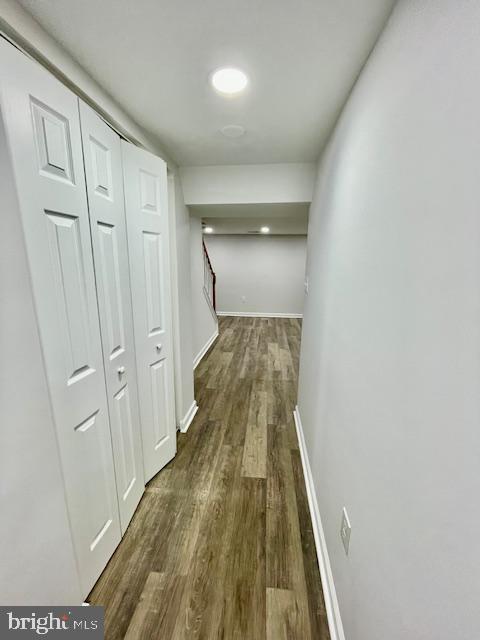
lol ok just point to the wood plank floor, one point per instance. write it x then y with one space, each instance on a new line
221 545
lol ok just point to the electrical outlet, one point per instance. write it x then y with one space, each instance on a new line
244 299
305 284
345 530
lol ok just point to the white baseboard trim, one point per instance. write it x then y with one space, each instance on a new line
254 314
204 349
189 416
329 593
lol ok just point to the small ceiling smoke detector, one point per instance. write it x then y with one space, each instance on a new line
208 230
265 229
229 81
233 131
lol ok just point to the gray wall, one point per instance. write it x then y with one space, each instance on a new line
389 391
204 323
259 274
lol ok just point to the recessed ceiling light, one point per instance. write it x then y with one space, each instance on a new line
208 230
265 229
233 131
229 80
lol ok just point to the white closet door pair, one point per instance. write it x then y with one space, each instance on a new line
43 131
145 179
103 170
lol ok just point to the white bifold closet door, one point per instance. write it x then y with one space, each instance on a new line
103 170
145 180
43 133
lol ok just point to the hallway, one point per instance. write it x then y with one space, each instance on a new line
221 545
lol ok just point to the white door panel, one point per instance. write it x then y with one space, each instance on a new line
145 179
42 125
159 375
103 168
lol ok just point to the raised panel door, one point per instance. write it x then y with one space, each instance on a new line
103 168
145 180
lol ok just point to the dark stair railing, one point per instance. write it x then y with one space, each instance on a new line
209 277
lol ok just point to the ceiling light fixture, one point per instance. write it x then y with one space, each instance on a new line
233 131
208 230
229 81
265 229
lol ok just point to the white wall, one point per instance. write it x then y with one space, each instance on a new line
182 303
389 391
204 322
37 561
253 183
268 271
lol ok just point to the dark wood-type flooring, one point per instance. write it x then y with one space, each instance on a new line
221 545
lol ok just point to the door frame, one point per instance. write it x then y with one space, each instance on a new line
175 299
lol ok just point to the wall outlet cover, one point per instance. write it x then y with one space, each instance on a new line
345 530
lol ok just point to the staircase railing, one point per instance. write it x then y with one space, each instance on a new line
209 278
